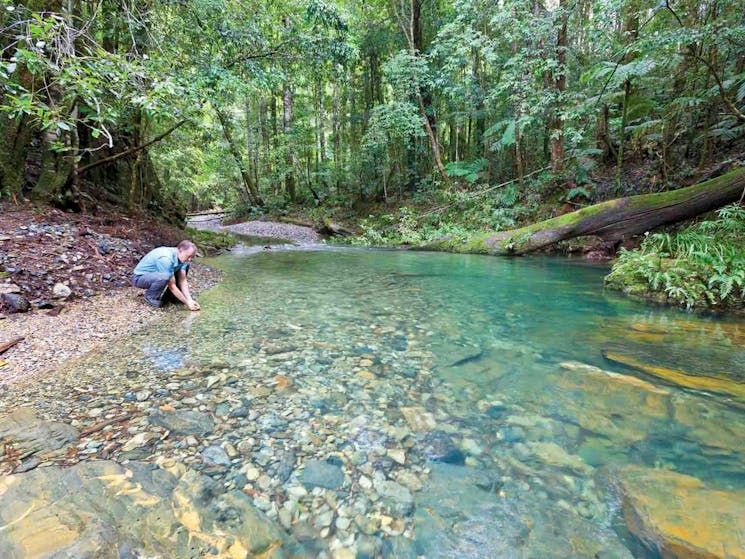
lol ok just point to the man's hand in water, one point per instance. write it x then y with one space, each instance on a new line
193 305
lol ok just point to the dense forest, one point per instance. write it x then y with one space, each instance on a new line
461 116
257 103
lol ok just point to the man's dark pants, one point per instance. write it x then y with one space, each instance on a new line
157 293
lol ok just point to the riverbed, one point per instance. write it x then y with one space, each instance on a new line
366 403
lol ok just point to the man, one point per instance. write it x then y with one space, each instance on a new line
162 272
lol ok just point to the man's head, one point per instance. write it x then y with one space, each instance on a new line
186 251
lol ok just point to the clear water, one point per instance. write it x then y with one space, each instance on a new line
488 348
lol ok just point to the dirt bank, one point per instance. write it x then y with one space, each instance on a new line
93 258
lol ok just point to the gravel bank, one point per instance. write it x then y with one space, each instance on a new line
295 233
82 326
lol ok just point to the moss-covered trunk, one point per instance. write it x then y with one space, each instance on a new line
612 220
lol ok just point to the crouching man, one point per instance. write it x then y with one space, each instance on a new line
162 273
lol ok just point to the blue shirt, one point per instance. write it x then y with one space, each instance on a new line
160 260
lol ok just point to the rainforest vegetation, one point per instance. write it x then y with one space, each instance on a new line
427 122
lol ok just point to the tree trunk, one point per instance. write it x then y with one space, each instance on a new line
556 125
252 192
424 98
613 220
289 162
518 96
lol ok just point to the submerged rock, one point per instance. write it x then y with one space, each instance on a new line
104 510
322 474
30 434
439 447
184 422
681 518
464 513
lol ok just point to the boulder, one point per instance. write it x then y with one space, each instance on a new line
105 510
30 434
679 517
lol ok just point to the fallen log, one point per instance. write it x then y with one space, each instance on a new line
7 345
613 220
331 228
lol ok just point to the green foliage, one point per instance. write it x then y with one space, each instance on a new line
469 171
210 242
460 214
700 266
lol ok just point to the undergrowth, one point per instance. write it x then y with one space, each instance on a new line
210 242
457 214
702 266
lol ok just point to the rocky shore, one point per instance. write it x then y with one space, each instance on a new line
64 283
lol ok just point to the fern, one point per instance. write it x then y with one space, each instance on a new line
700 266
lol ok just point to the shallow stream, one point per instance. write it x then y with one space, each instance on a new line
477 407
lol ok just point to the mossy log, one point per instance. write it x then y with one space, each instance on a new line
613 220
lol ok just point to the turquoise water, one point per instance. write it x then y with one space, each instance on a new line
494 333
489 373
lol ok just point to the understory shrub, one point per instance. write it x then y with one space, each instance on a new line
701 266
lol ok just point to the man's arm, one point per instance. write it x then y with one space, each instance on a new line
183 294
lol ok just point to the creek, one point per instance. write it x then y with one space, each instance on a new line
403 404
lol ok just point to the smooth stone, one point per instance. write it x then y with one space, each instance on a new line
397 454
15 303
184 422
296 492
344 553
418 418
104 509
138 441
439 447
472 447
343 523
61 291
216 455
318 473
409 480
553 455
680 517
397 497
252 473
240 481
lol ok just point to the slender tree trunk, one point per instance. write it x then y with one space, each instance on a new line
622 132
556 126
252 192
424 99
517 108
631 32
289 160
336 127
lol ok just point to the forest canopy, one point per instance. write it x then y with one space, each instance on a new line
167 105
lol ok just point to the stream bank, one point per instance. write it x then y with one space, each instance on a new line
69 275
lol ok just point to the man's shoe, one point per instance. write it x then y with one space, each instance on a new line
153 302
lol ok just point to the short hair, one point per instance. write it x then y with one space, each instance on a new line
186 245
